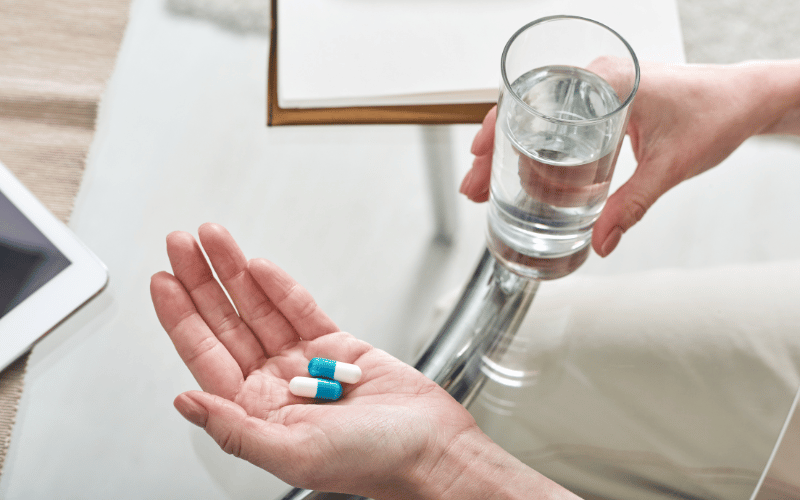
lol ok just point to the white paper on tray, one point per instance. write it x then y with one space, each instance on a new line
383 52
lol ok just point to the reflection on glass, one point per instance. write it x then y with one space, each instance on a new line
667 384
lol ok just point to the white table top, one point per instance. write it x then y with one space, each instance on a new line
182 140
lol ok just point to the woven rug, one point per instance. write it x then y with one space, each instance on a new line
55 57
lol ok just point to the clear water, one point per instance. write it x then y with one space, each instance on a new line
551 171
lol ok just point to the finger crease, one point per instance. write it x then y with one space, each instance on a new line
208 280
228 321
204 346
241 272
262 310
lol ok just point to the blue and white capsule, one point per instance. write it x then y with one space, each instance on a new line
336 370
320 388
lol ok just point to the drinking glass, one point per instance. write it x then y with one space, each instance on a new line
567 87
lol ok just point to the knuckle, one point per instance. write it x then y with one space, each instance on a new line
263 309
183 322
605 66
307 309
299 302
637 207
230 442
201 348
228 321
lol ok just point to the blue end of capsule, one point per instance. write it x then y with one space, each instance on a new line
328 389
321 367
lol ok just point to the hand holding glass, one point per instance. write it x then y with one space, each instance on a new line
559 130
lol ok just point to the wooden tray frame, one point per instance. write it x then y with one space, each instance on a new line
436 114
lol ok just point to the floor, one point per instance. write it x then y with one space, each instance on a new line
181 132
730 31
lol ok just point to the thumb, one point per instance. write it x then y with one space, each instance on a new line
229 425
625 208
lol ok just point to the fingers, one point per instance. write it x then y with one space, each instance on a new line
191 269
209 361
255 308
295 304
237 433
339 346
619 72
484 139
475 185
625 208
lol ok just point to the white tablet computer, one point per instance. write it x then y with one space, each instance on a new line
46 273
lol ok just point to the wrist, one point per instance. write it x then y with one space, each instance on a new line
473 466
776 87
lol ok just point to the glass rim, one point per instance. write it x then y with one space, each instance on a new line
527 106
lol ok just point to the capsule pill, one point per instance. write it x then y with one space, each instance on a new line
320 388
336 370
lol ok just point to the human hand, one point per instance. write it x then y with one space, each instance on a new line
684 121
389 435
373 435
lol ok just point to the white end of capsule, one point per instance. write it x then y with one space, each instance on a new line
347 373
303 387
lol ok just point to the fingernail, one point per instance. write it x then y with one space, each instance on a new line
466 183
483 195
476 140
612 240
191 410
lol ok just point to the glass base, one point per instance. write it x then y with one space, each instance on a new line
535 267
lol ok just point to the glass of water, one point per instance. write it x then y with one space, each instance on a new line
568 84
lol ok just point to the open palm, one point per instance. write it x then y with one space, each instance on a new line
385 430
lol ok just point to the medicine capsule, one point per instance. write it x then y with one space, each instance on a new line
315 388
343 372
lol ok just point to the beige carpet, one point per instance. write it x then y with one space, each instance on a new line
730 31
55 57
